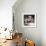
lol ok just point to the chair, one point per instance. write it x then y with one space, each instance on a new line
18 37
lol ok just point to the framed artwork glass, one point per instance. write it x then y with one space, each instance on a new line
29 20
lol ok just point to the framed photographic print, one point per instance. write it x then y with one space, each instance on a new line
29 19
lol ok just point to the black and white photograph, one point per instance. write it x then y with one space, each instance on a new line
29 20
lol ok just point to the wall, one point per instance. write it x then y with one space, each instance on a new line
43 22
6 13
28 6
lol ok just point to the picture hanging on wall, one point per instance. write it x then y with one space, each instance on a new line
29 20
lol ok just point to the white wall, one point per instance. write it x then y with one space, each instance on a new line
28 6
38 34
43 22
6 13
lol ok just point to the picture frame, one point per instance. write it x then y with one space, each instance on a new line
29 19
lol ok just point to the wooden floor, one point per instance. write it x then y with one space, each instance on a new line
9 43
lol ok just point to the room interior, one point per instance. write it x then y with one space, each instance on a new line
13 32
